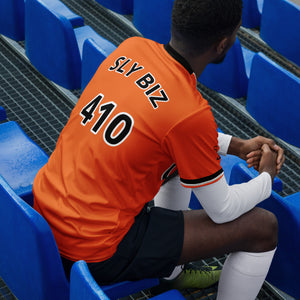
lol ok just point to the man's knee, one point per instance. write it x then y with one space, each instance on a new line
266 229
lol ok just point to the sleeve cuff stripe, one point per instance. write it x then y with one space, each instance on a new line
202 181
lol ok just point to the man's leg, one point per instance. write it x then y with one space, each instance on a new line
251 239
172 195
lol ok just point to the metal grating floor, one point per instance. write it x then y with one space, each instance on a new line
42 109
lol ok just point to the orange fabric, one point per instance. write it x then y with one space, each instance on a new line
140 113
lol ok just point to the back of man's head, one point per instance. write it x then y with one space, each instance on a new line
198 24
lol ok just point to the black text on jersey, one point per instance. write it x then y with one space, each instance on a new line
152 89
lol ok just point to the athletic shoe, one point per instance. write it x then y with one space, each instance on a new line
191 277
199 277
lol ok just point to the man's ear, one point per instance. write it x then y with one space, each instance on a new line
221 45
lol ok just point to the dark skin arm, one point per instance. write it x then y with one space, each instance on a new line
251 151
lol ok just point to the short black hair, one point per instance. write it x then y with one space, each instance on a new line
200 23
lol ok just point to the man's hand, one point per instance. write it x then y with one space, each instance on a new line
268 161
253 157
251 151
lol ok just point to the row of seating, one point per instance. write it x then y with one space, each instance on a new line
54 41
153 20
54 37
71 56
279 27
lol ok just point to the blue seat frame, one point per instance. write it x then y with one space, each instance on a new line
230 77
153 19
280 28
273 99
12 19
54 38
30 264
92 56
20 159
251 15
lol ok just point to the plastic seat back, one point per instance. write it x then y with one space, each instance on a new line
231 76
12 20
30 264
283 272
124 7
273 99
50 41
92 56
251 15
20 159
153 19
83 285
280 27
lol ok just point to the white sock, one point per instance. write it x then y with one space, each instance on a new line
243 275
173 195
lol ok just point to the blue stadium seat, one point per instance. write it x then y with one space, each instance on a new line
283 272
83 285
12 19
30 263
124 7
20 159
273 99
2 114
92 56
280 27
54 38
153 19
232 75
252 10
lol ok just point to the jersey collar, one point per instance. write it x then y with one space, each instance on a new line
178 57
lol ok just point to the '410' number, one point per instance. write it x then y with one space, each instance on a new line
117 130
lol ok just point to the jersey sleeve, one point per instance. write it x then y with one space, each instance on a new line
193 145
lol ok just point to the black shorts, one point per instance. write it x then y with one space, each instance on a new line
151 248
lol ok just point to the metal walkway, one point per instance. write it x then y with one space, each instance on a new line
42 109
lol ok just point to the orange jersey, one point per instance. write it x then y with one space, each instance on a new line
139 117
